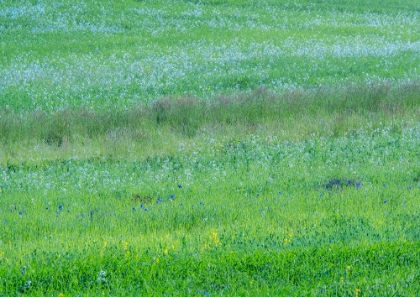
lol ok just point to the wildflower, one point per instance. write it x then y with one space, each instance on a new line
26 286
180 186
215 238
357 292
159 200
201 203
205 293
101 254
205 247
60 207
172 197
20 213
22 271
101 276
358 185
333 183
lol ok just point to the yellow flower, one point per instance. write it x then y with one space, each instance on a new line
165 251
215 238
61 295
357 292
204 248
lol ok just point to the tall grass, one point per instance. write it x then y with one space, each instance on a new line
297 114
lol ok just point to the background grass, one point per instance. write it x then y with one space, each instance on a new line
108 55
209 148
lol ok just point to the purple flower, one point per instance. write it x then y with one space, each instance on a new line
60 207
333 183
180 186
358 185
172 197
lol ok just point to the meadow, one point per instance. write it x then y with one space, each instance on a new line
209 148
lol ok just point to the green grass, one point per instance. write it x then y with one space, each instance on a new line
102 55
253 215
222 148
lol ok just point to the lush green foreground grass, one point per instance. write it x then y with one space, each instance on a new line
236 208
222 148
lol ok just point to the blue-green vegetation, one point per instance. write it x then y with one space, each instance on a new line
209 148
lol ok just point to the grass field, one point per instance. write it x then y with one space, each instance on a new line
209 148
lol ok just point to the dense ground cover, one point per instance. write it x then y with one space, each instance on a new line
209 148
107 54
